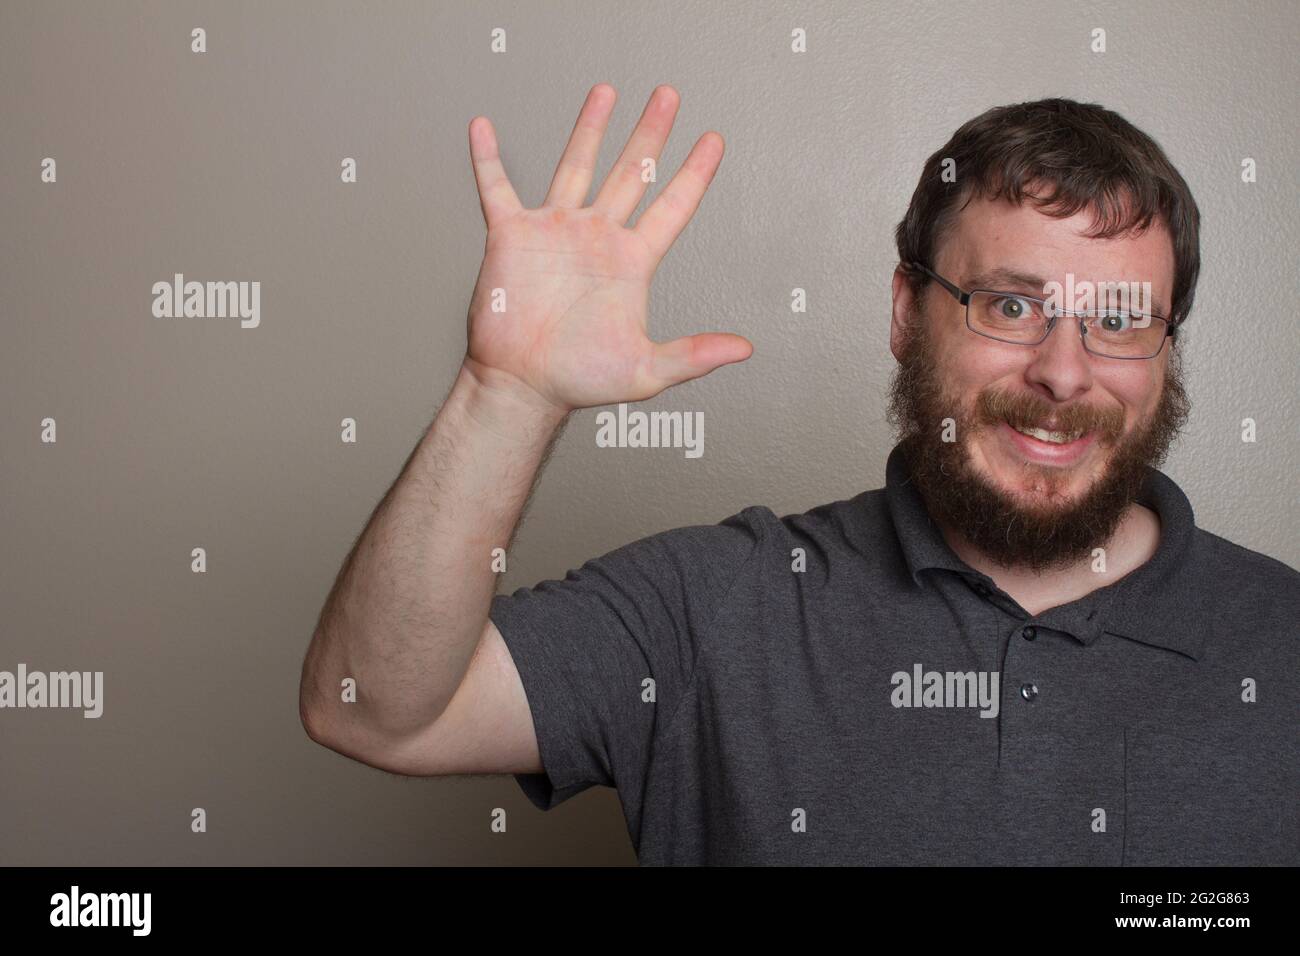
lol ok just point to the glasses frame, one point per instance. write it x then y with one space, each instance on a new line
964 297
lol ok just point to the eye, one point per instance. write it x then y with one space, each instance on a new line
1013 307
1114 322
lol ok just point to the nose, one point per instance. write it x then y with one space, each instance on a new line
1060 365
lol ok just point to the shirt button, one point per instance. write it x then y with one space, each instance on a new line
1029 633
1029 691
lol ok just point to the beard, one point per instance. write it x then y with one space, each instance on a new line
1044 529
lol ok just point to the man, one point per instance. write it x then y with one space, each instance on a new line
1021 650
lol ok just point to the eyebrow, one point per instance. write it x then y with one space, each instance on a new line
1004 280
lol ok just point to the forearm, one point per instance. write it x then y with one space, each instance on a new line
408 607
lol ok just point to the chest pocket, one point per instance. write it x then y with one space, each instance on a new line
1200 803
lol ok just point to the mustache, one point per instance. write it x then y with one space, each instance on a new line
1031 411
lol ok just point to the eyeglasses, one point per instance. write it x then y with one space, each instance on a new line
1025 320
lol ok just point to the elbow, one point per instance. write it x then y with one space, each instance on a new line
322 719
309 715
310 695
355 741
319 729
334 718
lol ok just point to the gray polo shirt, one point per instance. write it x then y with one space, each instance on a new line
838 687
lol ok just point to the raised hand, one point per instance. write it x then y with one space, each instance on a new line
576 279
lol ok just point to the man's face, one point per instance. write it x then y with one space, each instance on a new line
1020 500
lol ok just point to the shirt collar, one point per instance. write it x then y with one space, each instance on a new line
1160 603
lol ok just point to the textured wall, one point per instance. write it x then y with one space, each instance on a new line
174 434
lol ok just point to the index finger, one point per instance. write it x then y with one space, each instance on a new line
662 223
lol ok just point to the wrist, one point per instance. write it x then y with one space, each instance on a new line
504 401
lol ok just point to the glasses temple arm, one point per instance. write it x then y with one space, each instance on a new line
955 291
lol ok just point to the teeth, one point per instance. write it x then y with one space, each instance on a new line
1056 438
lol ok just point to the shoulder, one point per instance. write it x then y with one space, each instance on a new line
837 533
1250 585
840 523
1242 565
748 552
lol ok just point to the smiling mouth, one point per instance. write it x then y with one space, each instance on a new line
1051 437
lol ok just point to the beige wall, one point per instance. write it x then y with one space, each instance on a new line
183 433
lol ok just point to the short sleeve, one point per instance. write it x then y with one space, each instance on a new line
587 647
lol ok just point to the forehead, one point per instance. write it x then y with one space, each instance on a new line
1000 235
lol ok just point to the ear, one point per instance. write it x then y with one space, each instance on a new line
903 314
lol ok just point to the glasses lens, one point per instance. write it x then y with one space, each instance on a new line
1124 334
1006 316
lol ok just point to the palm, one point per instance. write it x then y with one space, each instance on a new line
561 301
575 309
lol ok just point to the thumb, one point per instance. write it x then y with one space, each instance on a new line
694 355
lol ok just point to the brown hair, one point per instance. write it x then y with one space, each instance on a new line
1088 158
